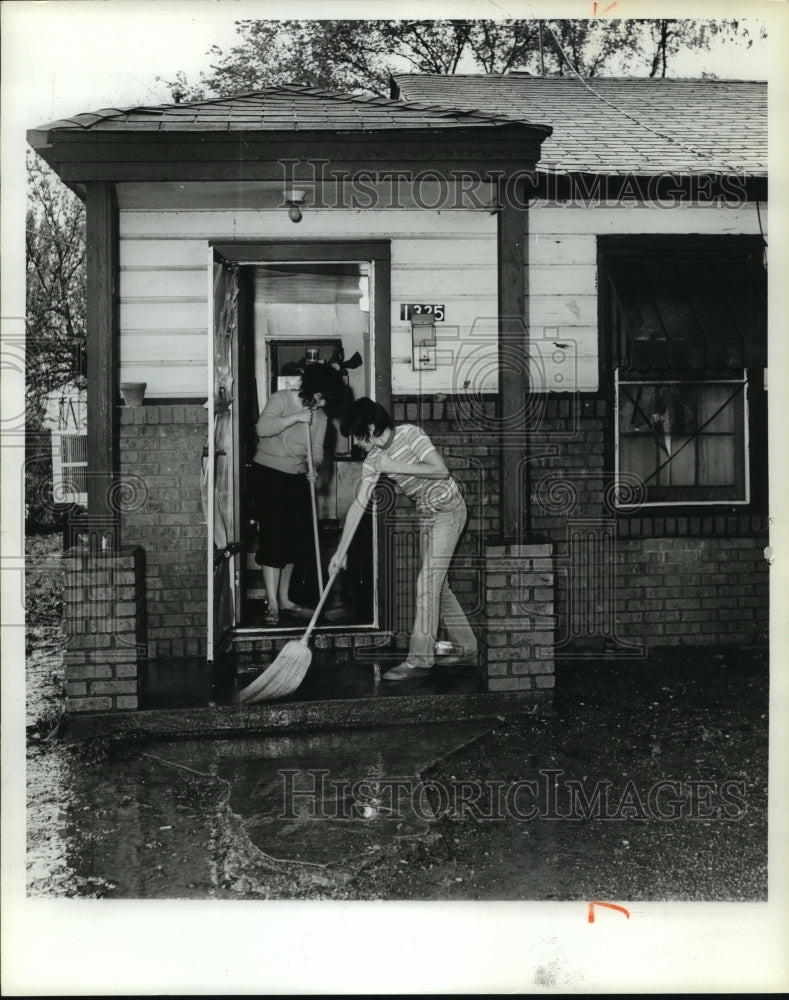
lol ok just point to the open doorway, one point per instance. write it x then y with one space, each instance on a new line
301 313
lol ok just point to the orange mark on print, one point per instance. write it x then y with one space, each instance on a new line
608 8
611 906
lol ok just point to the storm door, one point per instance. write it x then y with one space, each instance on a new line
219 482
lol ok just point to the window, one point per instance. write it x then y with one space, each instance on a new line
684 349
70 468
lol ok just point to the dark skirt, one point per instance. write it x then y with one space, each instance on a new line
284 516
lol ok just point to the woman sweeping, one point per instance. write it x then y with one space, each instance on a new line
408 456
280 482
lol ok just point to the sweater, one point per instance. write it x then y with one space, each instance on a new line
285 448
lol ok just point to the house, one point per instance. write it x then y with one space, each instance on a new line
65 417
562 281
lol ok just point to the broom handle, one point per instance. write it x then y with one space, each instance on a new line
311 467
342 552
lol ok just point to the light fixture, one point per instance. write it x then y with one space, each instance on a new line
294 199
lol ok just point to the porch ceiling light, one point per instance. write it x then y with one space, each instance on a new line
295 199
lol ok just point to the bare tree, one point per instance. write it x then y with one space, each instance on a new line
55 248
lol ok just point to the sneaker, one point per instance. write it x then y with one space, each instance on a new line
460 660
405 672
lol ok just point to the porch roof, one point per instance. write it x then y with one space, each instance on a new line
251 136
619 125
286 108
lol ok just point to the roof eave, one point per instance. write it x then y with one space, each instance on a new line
115 156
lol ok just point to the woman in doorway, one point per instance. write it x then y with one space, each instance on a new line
280 480
407 455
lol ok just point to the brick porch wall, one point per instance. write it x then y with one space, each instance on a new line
104 622
161 447
517 640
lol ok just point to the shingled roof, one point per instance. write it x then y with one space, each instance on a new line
614 126
282 108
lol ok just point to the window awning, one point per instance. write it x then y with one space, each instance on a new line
688 313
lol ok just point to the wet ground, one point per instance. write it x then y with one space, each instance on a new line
647 781
332 675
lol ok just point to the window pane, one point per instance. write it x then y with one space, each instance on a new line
714 406
683 437
636 407
682 467
716 461
637 455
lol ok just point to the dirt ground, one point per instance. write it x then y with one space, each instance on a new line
119 822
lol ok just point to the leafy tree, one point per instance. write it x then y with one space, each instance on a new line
361 55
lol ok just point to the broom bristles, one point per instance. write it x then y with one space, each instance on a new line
282 676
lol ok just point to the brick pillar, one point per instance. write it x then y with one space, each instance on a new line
517 646
104 620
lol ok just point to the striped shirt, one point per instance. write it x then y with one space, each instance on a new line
408 443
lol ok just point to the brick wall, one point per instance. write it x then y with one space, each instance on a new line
644 578
160 454
685 579
104 621
663 573
694 591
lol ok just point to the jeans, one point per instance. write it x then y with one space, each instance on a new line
439 532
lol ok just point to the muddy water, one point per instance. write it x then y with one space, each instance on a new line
205 819
209 819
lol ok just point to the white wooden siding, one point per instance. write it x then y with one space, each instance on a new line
444 257
563 272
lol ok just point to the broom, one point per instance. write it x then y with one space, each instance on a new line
287 671
311 467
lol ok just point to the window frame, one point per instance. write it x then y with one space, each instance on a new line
754 443
685 494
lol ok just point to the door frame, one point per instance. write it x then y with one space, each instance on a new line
379 254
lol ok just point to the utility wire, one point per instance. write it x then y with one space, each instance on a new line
53 239
669 138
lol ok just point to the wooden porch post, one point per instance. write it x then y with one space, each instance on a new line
513 358
103 349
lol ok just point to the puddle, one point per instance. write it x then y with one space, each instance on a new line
197 819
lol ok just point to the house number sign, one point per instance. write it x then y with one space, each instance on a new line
407 309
